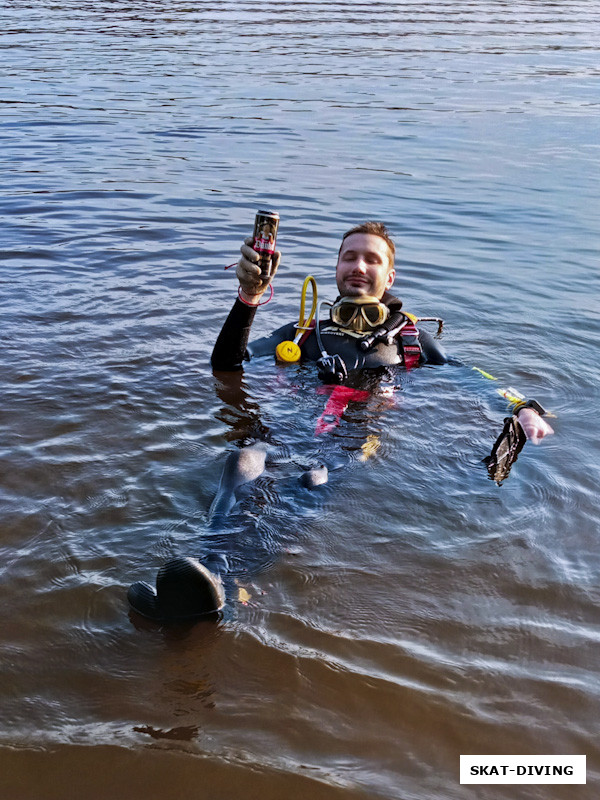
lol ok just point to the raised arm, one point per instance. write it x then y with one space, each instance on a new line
231 346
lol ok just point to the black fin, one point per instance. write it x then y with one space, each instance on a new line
505 450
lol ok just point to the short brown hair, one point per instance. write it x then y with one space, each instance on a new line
375 229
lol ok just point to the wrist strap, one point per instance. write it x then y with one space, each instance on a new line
537 407
255 305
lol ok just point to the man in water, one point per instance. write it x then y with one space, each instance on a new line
364 275
364 313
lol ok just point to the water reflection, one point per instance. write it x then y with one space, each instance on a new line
411 610
240 413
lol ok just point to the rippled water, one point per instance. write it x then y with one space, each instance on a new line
411 610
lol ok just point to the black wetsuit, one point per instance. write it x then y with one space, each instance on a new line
232 348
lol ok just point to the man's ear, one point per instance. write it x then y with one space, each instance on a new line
390 278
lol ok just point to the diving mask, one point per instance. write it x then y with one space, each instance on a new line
359 314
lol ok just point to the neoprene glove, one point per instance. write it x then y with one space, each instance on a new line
248 271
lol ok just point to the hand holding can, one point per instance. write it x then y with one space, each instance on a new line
258 264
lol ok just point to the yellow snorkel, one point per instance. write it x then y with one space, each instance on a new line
289 352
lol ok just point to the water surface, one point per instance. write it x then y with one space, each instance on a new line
411 610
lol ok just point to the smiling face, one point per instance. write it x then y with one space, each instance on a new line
364 266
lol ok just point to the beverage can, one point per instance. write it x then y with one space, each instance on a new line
266 224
